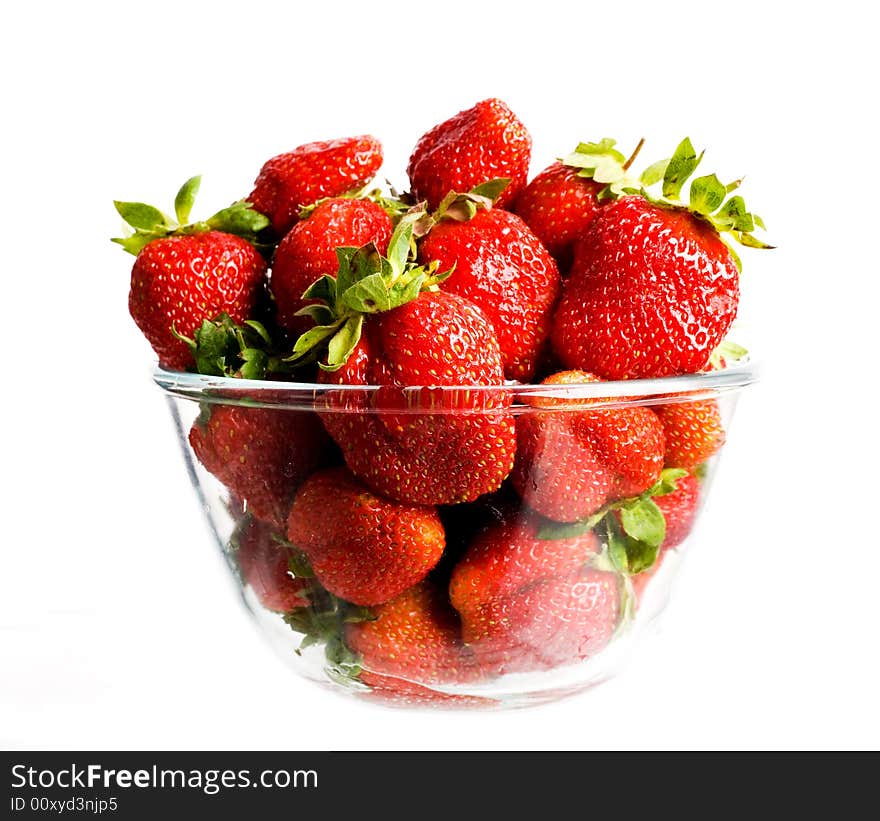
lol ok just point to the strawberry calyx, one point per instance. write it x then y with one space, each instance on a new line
726 354
322 622
221 347
463 207
392 204
365 283
707 196
149 223
603 163
633 542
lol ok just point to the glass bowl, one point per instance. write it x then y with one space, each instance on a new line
454 547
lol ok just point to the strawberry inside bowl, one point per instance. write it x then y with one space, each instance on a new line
463 546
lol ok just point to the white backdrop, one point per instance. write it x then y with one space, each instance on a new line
118 627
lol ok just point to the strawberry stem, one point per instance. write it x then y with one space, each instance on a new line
632 157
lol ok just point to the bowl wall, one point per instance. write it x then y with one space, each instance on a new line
546 576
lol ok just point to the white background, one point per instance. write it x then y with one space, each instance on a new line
118 627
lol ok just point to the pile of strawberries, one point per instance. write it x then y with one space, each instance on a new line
434 529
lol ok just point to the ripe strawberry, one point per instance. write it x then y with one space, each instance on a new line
509 555
186 274
264 563
651 293
483 143
547 624
653 287
694 432
177 282
308 251
564 199
363 548
414 639
439 339
311 172
260 454
570 462
558 205
502 267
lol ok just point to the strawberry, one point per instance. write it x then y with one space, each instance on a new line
509 555
260 454
439 339
381 329
311 172
564 199
362 547
693 430
570 462
185 274
558 205
483 143
415 639
653 287
264 563
547 624
502 267
308 251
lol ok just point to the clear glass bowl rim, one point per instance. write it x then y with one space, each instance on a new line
313 395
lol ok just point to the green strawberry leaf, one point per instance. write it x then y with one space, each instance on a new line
343 342
399 247
298 564
136 243
654 173
727 352
141 216
681 165
492 189
644 522
627 553
667 482
240 219
313 337
369 296
706 195
185 199
319 314
745 238
324 288
255 363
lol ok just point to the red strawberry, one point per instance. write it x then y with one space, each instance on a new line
483 143
509 555
439 339
177 282
570 462
260 454
694 432
308 251
186 274
311 172
502 268
263 560
652 292
415 639
653 287
363 548
558 205
547 624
